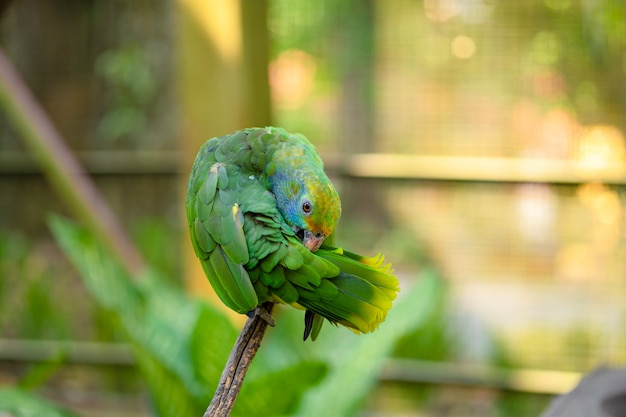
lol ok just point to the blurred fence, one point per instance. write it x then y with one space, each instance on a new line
493 141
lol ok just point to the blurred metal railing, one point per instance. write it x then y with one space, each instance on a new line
404 370
88 353
368 165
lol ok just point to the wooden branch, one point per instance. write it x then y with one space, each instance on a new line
240 358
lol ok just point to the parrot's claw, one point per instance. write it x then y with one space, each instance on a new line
261 312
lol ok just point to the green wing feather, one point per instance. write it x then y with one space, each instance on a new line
216 228
249 253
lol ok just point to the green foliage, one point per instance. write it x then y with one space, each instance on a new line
355 366
27 292
19 403
39 373
180 344
514 404
432 340
131 85
156 320
153 237
354 362
262 398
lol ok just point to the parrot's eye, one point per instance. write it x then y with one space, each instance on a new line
307 207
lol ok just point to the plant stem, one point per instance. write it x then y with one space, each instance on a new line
240 358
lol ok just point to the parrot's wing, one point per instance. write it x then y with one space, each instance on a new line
358 297
338 285
279 266
216 225
343 287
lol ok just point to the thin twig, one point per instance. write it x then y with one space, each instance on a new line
240 358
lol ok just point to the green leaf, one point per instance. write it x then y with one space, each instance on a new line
181 345
165 330
167 393
18 403
156 319
41 372
278 393
211 342
356 363
105 279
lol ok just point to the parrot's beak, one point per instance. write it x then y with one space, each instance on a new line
311 241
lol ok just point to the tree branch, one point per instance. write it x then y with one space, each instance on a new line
240 358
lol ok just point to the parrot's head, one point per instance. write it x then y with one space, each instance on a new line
310 205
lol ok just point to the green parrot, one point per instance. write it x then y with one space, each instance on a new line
259 208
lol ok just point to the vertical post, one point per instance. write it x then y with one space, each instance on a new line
356 55
222 83
356 58
256 46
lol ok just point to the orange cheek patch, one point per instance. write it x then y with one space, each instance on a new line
310 223
314 225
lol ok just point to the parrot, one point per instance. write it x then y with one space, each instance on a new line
261 213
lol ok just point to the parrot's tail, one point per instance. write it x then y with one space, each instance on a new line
359 297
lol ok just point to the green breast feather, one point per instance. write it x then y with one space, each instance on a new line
252 254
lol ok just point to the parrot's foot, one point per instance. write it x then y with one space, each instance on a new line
262 312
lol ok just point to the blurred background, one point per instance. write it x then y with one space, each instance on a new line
478 144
